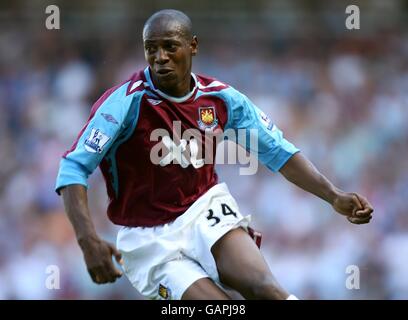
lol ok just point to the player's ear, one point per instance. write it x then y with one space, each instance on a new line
194 45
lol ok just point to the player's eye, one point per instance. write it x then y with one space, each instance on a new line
171 47
150 49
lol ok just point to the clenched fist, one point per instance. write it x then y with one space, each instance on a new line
356 208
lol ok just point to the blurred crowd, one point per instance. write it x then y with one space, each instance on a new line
343 100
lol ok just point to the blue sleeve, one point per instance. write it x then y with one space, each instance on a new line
111 119
272 150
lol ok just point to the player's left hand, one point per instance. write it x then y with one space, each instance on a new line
355 207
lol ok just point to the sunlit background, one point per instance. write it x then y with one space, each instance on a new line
340 95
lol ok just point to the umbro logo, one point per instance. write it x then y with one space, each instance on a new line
154 101
108 117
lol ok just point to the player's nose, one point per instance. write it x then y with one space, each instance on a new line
161 56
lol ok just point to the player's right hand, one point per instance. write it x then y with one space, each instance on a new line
98 258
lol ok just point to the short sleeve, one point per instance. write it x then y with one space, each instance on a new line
102 129
272 149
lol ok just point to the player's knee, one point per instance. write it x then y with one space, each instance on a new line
266 287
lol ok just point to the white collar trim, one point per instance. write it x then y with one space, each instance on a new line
168 97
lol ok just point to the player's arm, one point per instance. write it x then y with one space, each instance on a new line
301 172
105 125
279 155
97 252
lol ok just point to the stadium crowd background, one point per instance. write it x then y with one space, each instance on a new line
341 96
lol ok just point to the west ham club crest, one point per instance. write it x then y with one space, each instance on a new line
207 118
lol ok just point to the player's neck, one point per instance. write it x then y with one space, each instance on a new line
178 91
181 89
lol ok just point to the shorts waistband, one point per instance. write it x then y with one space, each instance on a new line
200 204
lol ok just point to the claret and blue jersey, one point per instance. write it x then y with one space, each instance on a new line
117 137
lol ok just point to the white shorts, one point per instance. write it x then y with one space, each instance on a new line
162 262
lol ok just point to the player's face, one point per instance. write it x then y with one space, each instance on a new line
169 55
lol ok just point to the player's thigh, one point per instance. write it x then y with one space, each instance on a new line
184 278
204 289
242 267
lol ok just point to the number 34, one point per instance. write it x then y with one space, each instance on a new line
226 211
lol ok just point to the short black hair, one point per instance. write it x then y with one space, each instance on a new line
171 15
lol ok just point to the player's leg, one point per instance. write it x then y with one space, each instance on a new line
242 267
204 289
147 266
185 279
